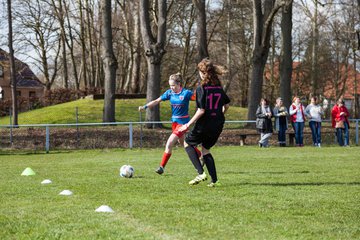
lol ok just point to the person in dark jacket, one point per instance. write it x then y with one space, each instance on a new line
281 122
264 114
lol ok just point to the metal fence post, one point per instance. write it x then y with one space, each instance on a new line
130 135
11 126
77 125
141 130
357 132
47 141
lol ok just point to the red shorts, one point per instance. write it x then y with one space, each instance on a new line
175 129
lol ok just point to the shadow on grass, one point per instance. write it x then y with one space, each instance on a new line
299 184
25 153
252 173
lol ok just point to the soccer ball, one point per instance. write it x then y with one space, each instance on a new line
126 171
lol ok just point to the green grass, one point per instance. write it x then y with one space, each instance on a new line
90 111
275 193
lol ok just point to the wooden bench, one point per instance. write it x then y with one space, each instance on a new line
291 136
243 137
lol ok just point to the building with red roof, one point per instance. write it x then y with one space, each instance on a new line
27 84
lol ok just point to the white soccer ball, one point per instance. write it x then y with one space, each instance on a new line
126 171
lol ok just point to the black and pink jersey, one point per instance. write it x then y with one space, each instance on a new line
212 99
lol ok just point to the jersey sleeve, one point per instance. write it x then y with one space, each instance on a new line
226 98
200 98
193 96
190 95
165 96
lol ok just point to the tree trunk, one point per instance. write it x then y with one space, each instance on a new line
83 46
110 63
90 24
60 15
70 46
201 32
135 76
286 55
228 45
314 53
99 74
12 67
153 92
255 91
154 51
264 14
356 100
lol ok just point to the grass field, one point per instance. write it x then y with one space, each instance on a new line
275 193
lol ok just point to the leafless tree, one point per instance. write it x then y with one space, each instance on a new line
128 45
83 70
70 43
90 37
12 66
286 61
154 50
201 32
263 14
110 63
37 29
58 9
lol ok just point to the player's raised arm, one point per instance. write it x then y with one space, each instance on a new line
150 104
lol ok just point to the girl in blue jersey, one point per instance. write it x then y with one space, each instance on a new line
179 99
212 103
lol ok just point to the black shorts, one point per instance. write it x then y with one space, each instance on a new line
204 136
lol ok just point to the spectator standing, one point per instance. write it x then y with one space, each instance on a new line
340 122
297 117
281 122
314 113
264 114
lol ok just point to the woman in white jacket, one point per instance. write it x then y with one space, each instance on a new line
314 113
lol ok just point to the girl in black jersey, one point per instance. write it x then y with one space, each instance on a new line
211 102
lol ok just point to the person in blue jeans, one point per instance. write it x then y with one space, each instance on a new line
343 140
281 122
297 117
314 113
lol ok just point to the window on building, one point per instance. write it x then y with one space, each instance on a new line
32 94
18 93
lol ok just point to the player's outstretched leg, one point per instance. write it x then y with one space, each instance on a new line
167 153
165 158
190 150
